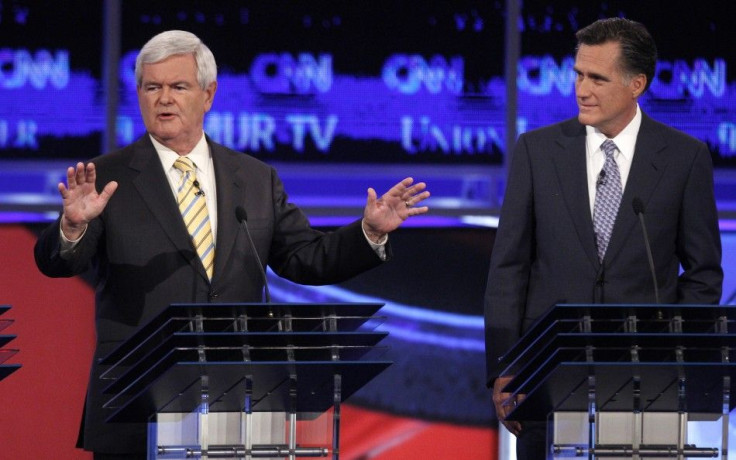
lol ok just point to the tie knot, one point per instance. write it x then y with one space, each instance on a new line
608 147
184 165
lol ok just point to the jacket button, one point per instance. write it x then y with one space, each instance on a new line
214 295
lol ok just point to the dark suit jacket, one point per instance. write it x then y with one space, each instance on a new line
545 251
144 260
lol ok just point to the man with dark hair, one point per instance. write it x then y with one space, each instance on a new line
568 232
157 221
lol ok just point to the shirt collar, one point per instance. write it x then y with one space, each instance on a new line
625 141
200 155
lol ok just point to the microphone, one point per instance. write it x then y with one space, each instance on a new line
639 211
199 191
242 217
600 275
598 286
601 178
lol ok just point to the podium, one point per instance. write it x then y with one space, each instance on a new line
5 353
244 380
626 381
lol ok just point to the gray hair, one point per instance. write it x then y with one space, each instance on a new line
173 42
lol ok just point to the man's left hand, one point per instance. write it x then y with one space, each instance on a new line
385 214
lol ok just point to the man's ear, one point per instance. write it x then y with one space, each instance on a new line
210 90
638 83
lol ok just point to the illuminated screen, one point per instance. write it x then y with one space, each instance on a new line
362 82
51 104
368 82
694 89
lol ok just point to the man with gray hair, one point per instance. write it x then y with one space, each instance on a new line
157 222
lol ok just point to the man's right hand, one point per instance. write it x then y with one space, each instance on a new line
505 403
81 201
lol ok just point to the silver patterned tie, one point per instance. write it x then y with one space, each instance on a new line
607 199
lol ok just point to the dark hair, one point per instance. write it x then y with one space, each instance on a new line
638 51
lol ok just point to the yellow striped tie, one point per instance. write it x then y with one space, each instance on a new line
194 211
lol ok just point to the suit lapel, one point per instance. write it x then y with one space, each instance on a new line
230 194
646 170
571 167
153 186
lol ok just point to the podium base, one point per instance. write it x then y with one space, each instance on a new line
240 435
626 435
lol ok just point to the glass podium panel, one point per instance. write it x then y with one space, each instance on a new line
627 381
244 380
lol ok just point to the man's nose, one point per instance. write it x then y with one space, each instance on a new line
582 87
166 96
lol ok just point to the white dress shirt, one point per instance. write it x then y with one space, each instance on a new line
625 141
204 172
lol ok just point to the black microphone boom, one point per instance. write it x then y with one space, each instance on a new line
639 211
242 217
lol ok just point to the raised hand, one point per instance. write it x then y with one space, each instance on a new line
385 214
80 199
